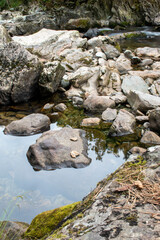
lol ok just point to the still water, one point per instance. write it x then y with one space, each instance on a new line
45 190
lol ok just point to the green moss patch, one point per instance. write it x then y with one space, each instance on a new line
46 222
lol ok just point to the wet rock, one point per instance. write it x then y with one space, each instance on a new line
150 137
19 74
142 101
123 64
129 54
110 51
130 82
51 77
49 43
31 124
87 122
154 74
48 107
154 119
91 33
109 115
137 150
135 60
98 103
61 107
53 150
81 24
147 52
124 124
77 101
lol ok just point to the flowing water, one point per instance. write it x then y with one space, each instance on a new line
45 190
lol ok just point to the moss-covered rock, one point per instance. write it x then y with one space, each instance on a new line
46 222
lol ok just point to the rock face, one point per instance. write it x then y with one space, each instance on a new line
142 101
123 124
154 119
98 103
59 149
133 83
31 124
19 74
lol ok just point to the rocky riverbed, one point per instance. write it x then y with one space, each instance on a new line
120 92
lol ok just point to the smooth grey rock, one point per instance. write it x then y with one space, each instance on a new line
123 64
130 82
29 125
142 101
154 119
77 101
51 77
54 149
150 137
61 107
18 74
109 115
124 124
119 97
110 51
98 103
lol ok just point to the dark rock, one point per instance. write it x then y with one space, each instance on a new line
31 124
92 32
154 119
63 148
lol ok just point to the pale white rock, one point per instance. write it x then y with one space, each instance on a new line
130 82
109 115
154 74
86 122
72 92
156 66
148 52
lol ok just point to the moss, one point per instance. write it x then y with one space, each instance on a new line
134 35
46 222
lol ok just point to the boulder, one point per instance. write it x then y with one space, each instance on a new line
130 82
124 124
49 43
86 122
148 52
51 77
19 73
150 137
109 115
142 101
98 103
154 119
63 148
123 64
29 125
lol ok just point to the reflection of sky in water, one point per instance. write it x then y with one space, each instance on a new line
44 190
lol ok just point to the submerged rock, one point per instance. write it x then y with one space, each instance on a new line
31 124
124 124
55 149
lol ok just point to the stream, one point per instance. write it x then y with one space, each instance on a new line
24 193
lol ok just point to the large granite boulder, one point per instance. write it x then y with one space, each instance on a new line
124 124
142 101
154 119
130 82
31 124
19 72
98 103
49 43
63 148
